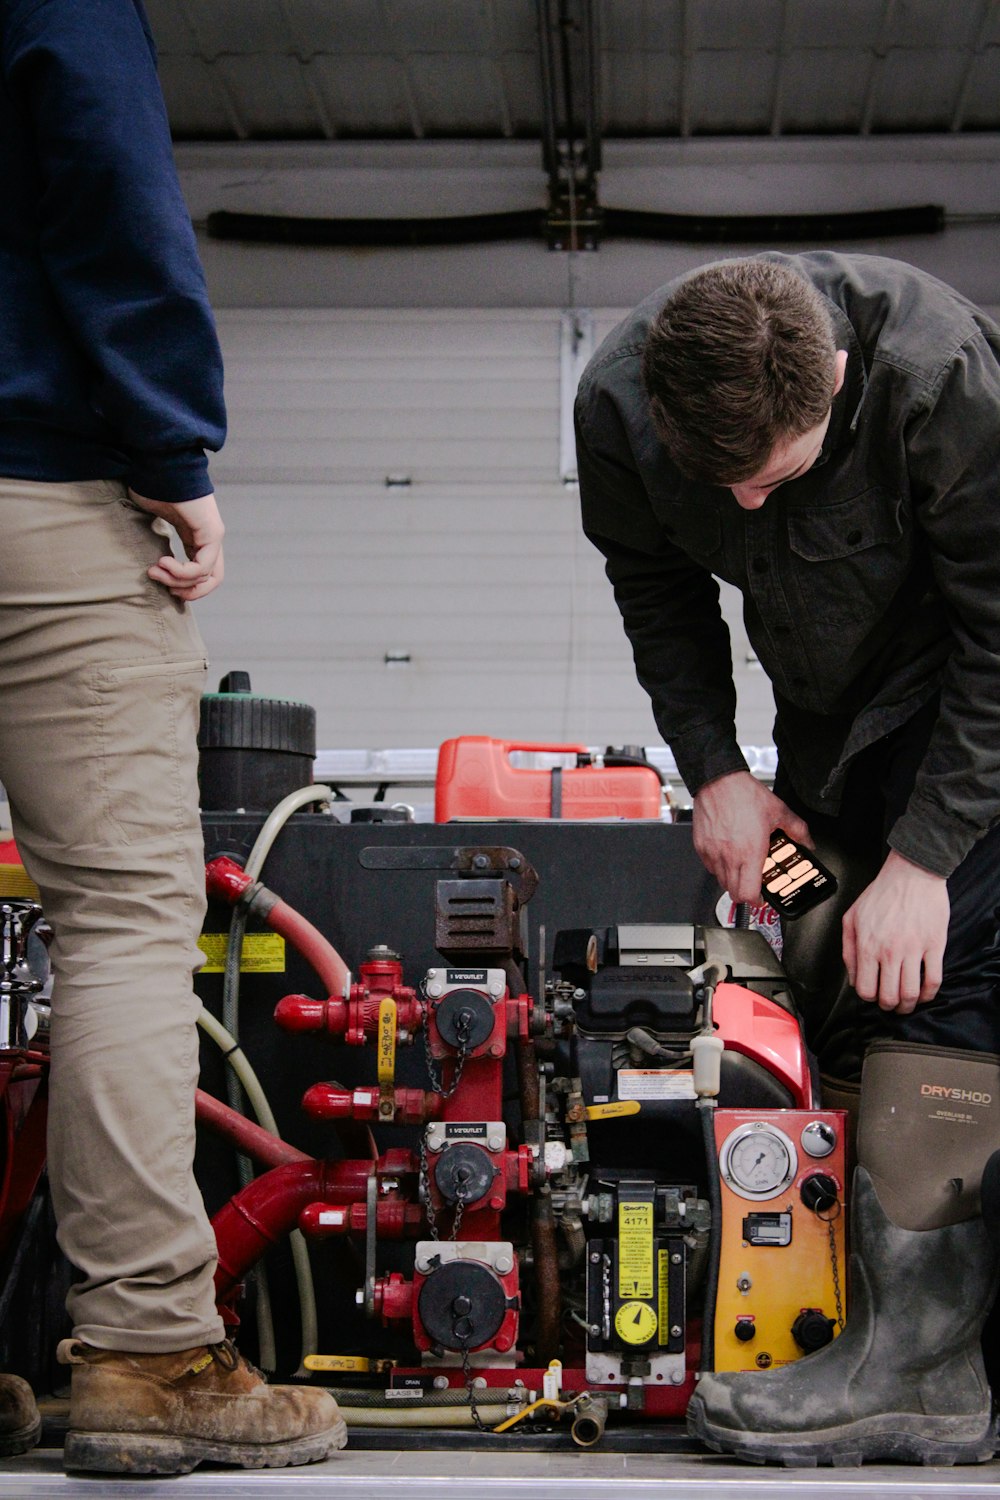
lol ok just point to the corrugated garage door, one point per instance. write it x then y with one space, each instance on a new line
402 552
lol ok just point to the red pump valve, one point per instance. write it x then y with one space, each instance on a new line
328 1101
355 1020
394 1219
463 1297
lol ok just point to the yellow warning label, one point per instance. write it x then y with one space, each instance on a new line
17 885
635 1250
387 1041
663 1292
263 953
635 1322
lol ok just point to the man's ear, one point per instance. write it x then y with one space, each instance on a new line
839 369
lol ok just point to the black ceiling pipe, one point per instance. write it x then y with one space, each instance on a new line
616 223
726 229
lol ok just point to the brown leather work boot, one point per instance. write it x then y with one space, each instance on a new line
20 1423
165 1413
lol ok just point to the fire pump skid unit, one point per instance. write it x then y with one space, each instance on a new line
538 1187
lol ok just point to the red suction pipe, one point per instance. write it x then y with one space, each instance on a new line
251 1139
260 1215
265 1210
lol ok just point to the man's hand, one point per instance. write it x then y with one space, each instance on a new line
200 528
895 935
734 818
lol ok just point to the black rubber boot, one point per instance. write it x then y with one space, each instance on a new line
905 1381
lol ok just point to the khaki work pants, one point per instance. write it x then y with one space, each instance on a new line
100 676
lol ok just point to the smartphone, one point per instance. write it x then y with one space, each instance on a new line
794 881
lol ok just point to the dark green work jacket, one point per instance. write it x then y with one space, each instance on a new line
869 584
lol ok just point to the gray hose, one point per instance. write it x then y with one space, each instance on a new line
269 831
455 1397
409 1416
240 1065
267 1353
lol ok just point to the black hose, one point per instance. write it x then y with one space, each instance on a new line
706 1109
613 758
620 223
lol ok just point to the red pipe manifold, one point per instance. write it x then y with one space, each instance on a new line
263 1212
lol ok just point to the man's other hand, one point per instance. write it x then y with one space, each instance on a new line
200 528
734 818
895 935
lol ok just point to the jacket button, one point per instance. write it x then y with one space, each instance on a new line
853 538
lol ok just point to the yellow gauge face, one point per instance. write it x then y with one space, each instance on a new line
635 1322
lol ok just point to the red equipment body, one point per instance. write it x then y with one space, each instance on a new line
765 1031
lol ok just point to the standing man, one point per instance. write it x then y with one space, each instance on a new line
110 392
823 431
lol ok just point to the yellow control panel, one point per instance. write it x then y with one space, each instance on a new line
783 1268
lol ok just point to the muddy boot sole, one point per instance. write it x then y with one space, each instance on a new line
147 1453
22 1441
894 1438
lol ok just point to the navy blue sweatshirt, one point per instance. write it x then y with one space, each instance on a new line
109 363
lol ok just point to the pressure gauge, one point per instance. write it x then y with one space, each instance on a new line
758 1160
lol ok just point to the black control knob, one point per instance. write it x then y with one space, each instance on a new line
745 1330
812 1329
464 1173
461 1305
465 1019
819 1192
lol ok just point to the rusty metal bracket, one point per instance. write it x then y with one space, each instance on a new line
473 861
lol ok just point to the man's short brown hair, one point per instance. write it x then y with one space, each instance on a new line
741 358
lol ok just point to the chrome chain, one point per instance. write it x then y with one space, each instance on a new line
430 1212
462 1028
829 1221
467 1372
437 1084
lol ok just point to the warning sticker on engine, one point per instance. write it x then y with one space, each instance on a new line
635 1249
655 1083
263 953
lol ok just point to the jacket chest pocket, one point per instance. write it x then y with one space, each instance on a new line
851 555
696 529
845 529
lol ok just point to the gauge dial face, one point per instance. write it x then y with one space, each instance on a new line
758 1161
818 1138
